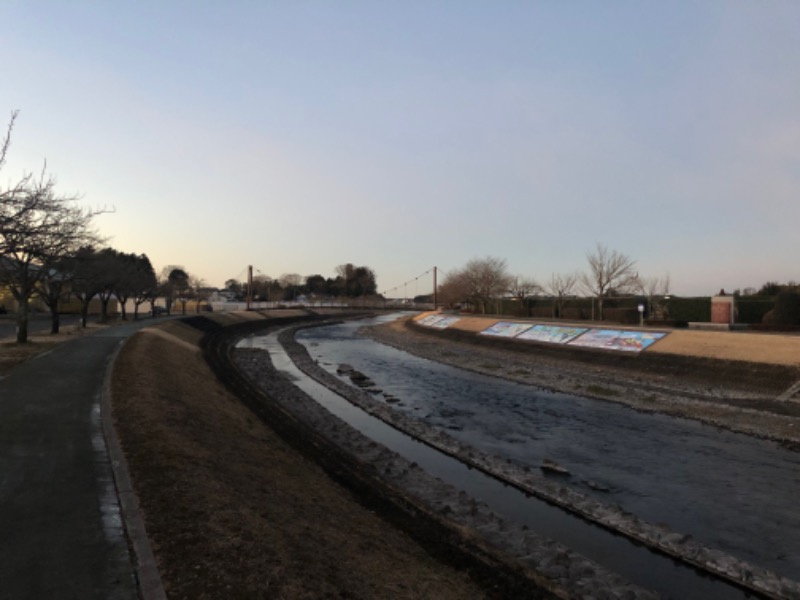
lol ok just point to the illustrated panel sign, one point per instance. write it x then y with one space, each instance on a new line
440 322
552 334
430 320
505 329
613 339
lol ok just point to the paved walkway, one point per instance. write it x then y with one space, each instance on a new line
61 532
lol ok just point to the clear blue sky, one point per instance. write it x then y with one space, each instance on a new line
296 136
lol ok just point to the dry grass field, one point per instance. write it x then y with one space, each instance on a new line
232 511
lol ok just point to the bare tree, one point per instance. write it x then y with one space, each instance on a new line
609 270
453 290
54 288
521 288
561 286
485 279
45 228
653 288
38 230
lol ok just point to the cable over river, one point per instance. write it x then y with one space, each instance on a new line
729 491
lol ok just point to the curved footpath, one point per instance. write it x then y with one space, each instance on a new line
61 530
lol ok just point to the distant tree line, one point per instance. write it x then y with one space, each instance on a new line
484 285
350 281
482 282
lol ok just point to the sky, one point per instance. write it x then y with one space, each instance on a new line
296 136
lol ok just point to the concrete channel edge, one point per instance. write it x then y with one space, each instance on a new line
147 574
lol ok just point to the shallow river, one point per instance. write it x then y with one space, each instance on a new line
729 491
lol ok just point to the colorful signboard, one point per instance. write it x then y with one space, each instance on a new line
445 322
429 320
613 339
506 329
551 333
606 339
438 321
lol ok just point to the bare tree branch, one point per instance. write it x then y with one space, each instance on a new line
560 286
609 271
38 228
521 288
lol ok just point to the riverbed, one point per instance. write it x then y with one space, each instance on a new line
730 491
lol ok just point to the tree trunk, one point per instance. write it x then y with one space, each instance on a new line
55 322
22 321
22 295
122 302
85 312
104 309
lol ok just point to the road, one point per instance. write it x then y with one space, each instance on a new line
61 534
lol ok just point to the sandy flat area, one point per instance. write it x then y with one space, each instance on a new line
730 345
772 348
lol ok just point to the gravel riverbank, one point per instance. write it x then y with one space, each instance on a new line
758 415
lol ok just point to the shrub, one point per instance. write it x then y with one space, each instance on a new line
689 309
786 311
626 316
751 309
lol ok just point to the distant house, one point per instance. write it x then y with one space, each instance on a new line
217 295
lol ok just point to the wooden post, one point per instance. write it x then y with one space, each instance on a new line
435 291
249 286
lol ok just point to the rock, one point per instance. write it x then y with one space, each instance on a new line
551 466
597 486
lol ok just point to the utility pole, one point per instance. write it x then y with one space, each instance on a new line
435 291
249 286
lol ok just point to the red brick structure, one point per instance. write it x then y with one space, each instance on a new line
722 310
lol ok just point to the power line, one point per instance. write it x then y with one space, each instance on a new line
413 280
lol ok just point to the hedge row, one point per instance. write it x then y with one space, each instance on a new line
749 309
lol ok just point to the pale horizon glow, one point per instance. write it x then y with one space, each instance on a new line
297 136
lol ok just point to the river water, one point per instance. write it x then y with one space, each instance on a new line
671 579
729 491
